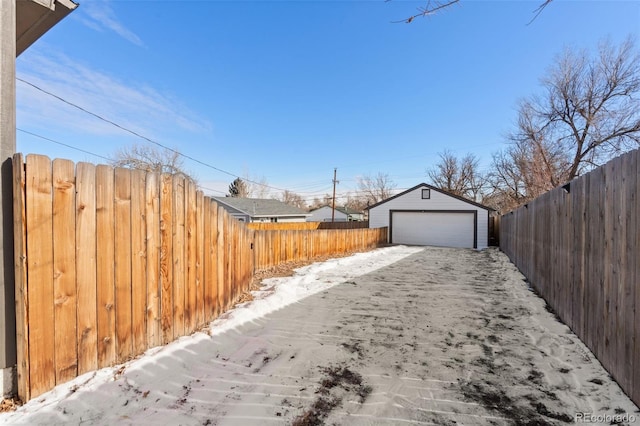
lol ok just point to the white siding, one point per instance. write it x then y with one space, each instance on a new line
292 219
412 200
279 219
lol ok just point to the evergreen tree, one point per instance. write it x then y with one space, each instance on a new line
238 188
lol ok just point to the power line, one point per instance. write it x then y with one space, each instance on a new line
64 144
141 136
94 154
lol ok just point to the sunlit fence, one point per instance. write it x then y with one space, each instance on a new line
111 262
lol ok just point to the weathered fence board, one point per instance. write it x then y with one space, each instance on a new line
635 267
138 262
190 247
220 262
40 274
627 283
200 248
152 216
579 247
64 264
86 279
21 282
105 276
179 241
110 262
122 211
166 258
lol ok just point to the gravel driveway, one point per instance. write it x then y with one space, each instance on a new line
443 336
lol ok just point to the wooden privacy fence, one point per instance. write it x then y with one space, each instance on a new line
579 246
298 226
111 262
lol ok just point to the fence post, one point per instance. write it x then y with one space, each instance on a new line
7 149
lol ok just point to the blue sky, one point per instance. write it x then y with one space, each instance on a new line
287 90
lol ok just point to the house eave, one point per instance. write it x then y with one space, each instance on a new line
433 188
35 17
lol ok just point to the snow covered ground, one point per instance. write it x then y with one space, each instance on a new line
398 335
81 400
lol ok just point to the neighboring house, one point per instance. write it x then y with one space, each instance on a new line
426 215
342 214
261 210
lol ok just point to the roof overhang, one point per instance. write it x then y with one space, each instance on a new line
442 191
36 17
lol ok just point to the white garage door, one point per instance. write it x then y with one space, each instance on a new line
433 229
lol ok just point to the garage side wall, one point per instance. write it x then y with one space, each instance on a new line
412 200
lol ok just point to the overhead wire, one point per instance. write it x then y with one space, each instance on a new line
64 144
93 153
310 194
133 132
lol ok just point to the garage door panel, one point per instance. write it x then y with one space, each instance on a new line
434 229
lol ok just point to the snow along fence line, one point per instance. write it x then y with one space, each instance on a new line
111 262
579 246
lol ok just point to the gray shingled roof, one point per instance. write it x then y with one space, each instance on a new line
261 207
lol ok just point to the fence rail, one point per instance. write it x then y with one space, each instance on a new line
579 246
110 262
298 226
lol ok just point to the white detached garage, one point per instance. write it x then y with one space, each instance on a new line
426 215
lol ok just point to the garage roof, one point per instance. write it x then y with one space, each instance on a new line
433 188
36 17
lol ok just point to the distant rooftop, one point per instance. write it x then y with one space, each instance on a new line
257 207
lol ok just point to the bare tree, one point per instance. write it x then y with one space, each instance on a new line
508 186
238 189
326 200
376 188
522 172
150 159
292 199
458 176
356 202
257 187
589 114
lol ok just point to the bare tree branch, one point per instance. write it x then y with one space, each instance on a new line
590 112
257 187
376 188
292 199
430 9
435 6
539 10
150 159
458 176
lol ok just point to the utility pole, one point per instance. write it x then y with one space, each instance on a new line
333 203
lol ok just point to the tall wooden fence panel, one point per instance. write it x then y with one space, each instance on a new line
111 262
579 246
